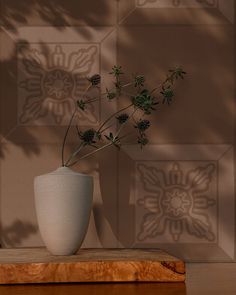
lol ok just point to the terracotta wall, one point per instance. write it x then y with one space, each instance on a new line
178 193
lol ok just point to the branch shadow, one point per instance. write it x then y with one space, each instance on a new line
14 234
137 41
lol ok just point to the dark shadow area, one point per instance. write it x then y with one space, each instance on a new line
57 13
38 100
14 234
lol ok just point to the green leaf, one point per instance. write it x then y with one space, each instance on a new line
139 80
110 94
116 71
144 101
81 104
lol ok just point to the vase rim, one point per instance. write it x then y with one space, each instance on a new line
63 170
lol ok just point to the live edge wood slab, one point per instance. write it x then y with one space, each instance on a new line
37 265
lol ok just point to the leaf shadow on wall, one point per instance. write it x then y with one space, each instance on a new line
13 234
171 127
57 13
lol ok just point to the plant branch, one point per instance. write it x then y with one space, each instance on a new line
81 145
107 127
65 137
142 100
91 153
68 128
123 125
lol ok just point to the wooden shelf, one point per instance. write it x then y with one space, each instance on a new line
37 265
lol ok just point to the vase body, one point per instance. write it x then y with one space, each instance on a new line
63 202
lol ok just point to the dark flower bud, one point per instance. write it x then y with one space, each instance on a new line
142 141
143 125
80 104
88 136
122 118
95 79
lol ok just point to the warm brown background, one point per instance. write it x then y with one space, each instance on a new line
133 189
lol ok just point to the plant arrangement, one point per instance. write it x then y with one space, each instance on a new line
64 198
142 103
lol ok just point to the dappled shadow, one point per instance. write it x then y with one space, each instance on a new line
17 232
43 94
149 42
56 13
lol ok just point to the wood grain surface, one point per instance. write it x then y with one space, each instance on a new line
201 279
37 265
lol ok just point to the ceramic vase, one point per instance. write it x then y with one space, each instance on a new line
63 202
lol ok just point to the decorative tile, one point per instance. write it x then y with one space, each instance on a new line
178 201
177 12
51 68
49 84
181 198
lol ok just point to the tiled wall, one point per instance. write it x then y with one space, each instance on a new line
176 194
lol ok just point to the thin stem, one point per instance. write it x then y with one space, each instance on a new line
93 99
104 93
107 128
65 137
101 148
91 153
113 115
127 93
77 129
126 135
68 128
158 87
128 84
168 78
87 88
81 145
122 126
134 119
100 98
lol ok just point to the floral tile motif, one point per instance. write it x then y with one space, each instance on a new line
179 198
48 73
179 201
50 80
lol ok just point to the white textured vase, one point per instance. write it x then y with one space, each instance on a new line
63 201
